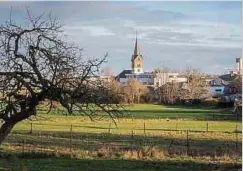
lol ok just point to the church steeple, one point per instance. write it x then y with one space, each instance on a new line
137 59
136 49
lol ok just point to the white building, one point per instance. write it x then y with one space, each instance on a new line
162 78
144 78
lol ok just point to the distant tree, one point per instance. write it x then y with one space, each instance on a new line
194 88
169 92
115 88
127 94
134 90
196 85
36 58
150 95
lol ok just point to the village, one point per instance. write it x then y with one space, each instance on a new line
227 86
170 104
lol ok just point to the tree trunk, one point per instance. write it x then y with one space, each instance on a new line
138 99
5 130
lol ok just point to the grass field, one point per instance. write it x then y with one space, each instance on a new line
151 111
65 164
148 137
155 117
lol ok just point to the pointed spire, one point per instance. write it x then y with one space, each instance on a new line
136 49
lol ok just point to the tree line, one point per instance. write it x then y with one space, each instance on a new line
171 92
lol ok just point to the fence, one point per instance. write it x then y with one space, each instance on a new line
71 141
144 128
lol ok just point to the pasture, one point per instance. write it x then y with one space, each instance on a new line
147 137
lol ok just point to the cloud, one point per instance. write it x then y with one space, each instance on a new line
92 30
193 33
168 35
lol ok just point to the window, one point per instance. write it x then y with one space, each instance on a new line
218 90
138 70
171 76
230 90
138 65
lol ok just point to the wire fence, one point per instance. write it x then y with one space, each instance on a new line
143 127
69 140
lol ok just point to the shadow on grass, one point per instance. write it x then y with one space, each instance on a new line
178 114
171 114
174 145
194 112
68 164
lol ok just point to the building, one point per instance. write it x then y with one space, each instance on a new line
155 79
136 71
161 78
239 65
233 88
236 71
216 87
137 60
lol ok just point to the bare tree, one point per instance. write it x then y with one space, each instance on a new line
37 58
169 92
135 90
115 87
194 88
196 84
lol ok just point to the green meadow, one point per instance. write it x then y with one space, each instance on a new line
145 137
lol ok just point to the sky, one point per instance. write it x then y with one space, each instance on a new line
203 35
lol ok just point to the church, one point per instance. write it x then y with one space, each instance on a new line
136 71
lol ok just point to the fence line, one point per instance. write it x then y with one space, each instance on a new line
93 144
144 129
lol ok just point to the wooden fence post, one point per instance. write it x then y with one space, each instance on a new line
207 127
144 128
236 138
132 135
109 130
187 141
31 128
23 146
41 142
71 132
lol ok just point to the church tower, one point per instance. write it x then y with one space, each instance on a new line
137 59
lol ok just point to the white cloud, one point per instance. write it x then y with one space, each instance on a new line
173 39
92 30
188 33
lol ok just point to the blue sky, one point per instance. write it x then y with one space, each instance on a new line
203 35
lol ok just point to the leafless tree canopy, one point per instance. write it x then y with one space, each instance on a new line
133 91
194 88
196 84
37 58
